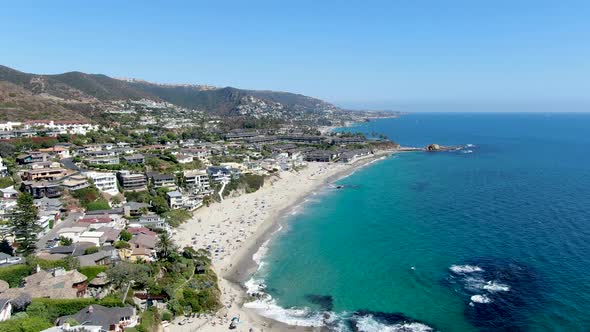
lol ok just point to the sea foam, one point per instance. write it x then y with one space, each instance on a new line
463 269
493 286
480 299
369 324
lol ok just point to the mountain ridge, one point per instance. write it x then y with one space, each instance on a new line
97 90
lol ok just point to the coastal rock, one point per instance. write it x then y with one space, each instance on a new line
434 147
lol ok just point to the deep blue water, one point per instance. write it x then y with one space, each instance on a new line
497 239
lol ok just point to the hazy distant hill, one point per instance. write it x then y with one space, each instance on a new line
80 93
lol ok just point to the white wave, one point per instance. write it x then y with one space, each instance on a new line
254 286
369 324
294 316
466 151
258 256
470 145
493 286
463 269
480 299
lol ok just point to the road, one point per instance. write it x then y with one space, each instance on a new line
69 221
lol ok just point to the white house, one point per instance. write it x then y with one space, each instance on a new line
9 126
91 236
175 200
104 181
197 180
72 232
184 159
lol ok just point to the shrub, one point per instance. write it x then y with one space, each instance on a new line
25 324
122 245
63 307
15 274
68 263
100 204
167 315
92 271
91 250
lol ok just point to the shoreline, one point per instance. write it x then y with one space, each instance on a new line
269 208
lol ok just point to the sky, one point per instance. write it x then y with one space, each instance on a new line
363 54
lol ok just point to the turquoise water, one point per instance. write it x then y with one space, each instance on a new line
494 237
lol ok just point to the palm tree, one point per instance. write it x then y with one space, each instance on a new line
165 246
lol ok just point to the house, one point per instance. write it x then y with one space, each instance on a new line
32 157
104 181
144 240
175 199
350 156
132 181
153 221
54 284
10 125
197 179
9 193
136 254
91 236
62 127
136 159
109 236
101 153
319 156
219 174
110 319
347 140
60 152
159 180
135 209
141 230
102 257
72 232
44 164
103 161
302 139
75 182
5 309
184 159
42 189
199 153
43 174
94 221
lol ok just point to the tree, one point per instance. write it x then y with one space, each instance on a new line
23 224
123 273
6 248
165 246
6 150
65 241
125 235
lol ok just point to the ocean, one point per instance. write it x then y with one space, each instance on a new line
493 237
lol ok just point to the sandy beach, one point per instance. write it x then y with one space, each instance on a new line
234 229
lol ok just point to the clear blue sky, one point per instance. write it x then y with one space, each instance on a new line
365 53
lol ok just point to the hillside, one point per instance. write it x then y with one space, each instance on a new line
76 93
